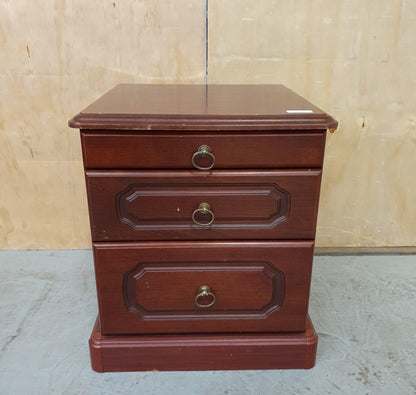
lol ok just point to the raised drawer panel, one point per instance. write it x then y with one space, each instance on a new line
156 287
146 282
167 205
155 150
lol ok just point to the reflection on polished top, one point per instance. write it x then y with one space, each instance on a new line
202 107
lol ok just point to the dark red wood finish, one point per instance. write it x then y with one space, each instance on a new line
161 150
202 107
151 259
156 205
292 350
150 287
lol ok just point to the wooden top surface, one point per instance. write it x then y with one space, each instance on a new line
201 107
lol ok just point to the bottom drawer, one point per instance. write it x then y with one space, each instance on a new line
205 287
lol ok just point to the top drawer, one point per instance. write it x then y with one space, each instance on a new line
161 150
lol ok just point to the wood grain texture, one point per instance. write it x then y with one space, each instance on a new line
356 60
243 276
203 352
163 290
217 288
43 205
202 107
353 59
159 150
56 59
158 205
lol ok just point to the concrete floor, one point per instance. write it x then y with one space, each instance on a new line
363 308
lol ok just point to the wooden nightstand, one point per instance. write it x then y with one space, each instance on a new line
203 203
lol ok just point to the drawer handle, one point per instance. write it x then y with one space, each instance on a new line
204 208
203 150
204 291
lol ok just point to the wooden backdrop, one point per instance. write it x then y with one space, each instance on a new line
356 59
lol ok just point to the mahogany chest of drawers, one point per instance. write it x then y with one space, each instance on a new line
203 202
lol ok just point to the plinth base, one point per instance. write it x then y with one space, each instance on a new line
293 350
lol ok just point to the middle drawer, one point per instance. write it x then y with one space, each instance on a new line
193 205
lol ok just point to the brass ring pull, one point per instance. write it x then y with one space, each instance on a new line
203 150
204 291
204 208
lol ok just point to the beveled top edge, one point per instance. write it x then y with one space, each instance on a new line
132 122
202 107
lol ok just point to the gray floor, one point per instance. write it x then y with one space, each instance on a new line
363 308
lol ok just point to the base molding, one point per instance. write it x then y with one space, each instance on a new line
292 350
397 250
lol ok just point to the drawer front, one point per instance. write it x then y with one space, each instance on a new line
218 205
174 287
175 151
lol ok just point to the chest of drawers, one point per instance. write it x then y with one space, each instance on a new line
203 203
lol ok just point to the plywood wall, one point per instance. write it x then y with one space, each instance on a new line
355 59
57 57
